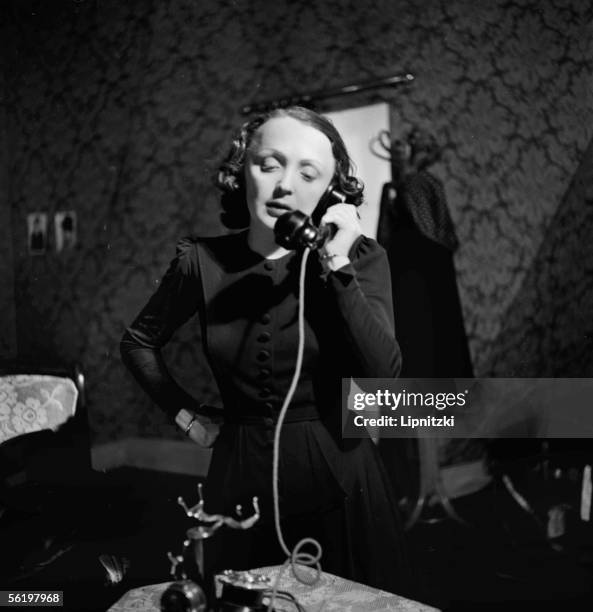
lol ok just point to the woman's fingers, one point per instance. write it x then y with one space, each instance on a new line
345 218
342 215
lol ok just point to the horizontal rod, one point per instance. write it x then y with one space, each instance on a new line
307 98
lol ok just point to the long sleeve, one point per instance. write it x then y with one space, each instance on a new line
363 293
172 304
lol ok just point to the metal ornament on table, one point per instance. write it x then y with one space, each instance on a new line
188 569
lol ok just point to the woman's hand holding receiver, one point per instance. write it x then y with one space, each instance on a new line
334 254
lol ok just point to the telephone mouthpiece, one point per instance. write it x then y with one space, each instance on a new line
294 230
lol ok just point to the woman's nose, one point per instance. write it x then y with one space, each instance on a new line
284 183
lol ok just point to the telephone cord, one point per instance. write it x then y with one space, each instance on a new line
295 556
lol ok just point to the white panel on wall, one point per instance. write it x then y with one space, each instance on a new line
358 126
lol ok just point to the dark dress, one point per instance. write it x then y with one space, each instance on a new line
332 489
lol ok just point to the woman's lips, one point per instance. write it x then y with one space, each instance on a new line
277 209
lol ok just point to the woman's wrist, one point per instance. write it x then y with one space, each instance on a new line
185 419
198 428
333 261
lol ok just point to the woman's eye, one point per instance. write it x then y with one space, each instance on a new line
268 165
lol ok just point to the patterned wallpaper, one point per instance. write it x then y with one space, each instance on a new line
7 311
119 111
548 330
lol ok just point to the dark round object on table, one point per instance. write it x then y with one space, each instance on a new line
184 596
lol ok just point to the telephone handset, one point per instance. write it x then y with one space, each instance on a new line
296 229
330 197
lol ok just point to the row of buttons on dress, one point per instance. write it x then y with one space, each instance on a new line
264 354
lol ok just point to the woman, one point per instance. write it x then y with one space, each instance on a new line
245 289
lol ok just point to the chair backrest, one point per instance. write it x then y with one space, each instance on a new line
32 402
43 423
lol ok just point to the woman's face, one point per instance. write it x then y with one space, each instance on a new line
288 166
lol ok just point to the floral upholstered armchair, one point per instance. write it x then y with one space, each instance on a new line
43 423
44 466
34 402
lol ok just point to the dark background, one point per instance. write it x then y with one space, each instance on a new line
120 111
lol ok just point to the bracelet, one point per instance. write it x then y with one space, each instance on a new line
327 256
191 422
335 262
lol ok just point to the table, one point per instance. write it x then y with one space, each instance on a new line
330 594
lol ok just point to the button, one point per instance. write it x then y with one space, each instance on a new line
265 318
269 422
269 406
263 355
269 265
264 337
265 392
264 373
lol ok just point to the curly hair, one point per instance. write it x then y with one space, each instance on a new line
230 176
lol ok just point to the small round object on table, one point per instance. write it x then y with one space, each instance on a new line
183 596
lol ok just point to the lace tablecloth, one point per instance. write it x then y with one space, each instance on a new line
330 594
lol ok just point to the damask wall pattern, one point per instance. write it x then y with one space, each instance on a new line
7 313
548 331
120 111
